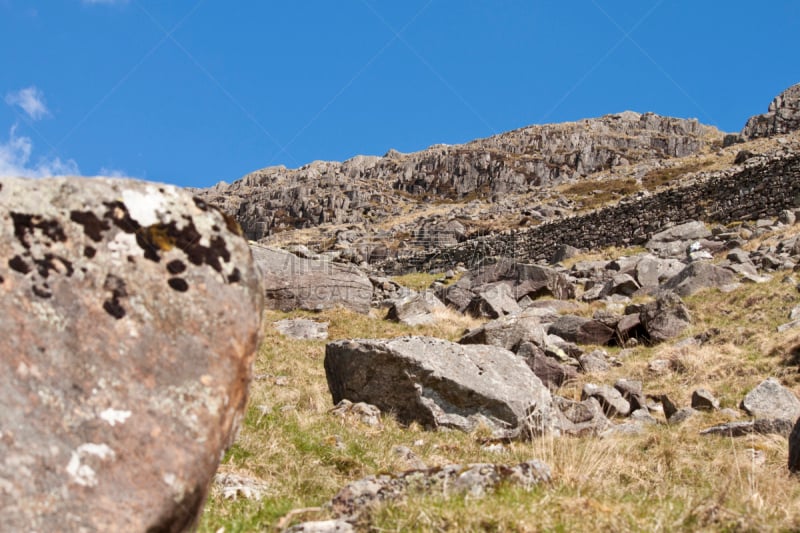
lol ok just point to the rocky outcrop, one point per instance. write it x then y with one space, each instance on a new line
292 282
131 317
782 116
441 384
365 189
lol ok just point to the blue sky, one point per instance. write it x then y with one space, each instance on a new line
194 92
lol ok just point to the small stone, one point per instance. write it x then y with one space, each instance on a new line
659 366
771 400
681 415
610 399
594 361
703 400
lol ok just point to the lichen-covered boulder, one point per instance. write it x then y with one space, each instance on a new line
130 317
438 383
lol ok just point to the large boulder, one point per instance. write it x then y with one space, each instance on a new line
581 330
441 384
292 282
772 400
131 315
665 318
783 116
701 275
416 309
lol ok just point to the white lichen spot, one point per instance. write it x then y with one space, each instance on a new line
178 487
83 474
145 207
114 416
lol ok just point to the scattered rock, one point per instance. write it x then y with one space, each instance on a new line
771 400
581 418
416 309
681 415
594 361
366 413
441 384
508 332
302 329
610 399
322 526
701 275
659 366
131 316
493 300
552 373
665 318
474 480
292 282
581 330
631 390
759 426
234 486
703 400
783 116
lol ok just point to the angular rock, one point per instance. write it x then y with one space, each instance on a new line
440 383
594 361
782 116
665 318
681 415
703 400
651 271
631 390
771 400
552 373
130 316
508 332
610 399
493 300
581 330
292 282
303 329
322 526
759 426
416 309
701 275
581 418
688 231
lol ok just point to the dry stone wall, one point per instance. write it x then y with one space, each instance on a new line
763 188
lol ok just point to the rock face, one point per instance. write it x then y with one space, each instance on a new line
782 116
292 282
130 318
440 383
363 188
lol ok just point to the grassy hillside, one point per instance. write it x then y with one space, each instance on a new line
668 478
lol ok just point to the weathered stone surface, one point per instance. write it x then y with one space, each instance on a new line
594 361
665 318
416 309
701 275
581 418
771 400
760 426
581 330
493 300
302 328
610 399
682 233
440 383
703 400
782 116
508 332
130 318
292 282
473 480
552 373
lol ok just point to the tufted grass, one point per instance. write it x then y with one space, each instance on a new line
667 479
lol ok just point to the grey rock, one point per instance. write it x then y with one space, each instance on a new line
681 415
794 449
580 419
234 486
643 415
760 426
552 373
631 390
366 413
131 314
610 399
416 309
782 116
788 325
594 361
581 330
771 400
302 328
473 480
668 406
651 271
292 282
508 332
493 300
688 231
322 526
701 275
659 366
665 318
441 384
703 400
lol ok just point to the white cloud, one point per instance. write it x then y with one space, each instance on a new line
15 160
30 100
